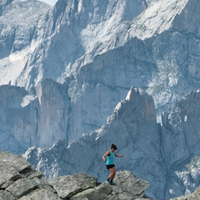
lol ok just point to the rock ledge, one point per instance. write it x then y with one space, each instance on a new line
19 181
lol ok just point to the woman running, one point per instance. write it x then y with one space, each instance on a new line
110 163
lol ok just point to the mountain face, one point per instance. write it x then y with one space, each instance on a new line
101 50
63 70
45 42
22 31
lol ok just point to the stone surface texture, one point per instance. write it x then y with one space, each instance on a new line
66 186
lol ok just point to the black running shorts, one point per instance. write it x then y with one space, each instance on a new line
110 166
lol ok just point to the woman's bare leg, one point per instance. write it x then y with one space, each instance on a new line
112 173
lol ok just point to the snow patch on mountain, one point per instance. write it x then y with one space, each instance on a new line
27 100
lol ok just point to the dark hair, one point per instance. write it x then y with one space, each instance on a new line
113 146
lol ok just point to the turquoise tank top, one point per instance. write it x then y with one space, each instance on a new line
110 159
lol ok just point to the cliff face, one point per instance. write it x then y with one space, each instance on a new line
23 25
180 134
36 118
150 52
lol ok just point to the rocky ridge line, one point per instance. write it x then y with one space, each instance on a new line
19 181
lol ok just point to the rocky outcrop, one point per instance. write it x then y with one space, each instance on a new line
80 186
124 190
19 181
67 186
34 118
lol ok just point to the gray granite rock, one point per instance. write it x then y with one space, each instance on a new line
98 193
128 186
41 194
4 195
20 181
11 168
67 186
21 187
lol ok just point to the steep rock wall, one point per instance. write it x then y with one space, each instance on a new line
37 118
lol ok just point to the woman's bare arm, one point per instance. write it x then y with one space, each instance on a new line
104 156
117 155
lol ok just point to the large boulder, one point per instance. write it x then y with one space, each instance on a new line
18 180
83 186
99 193
128 186
67 186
